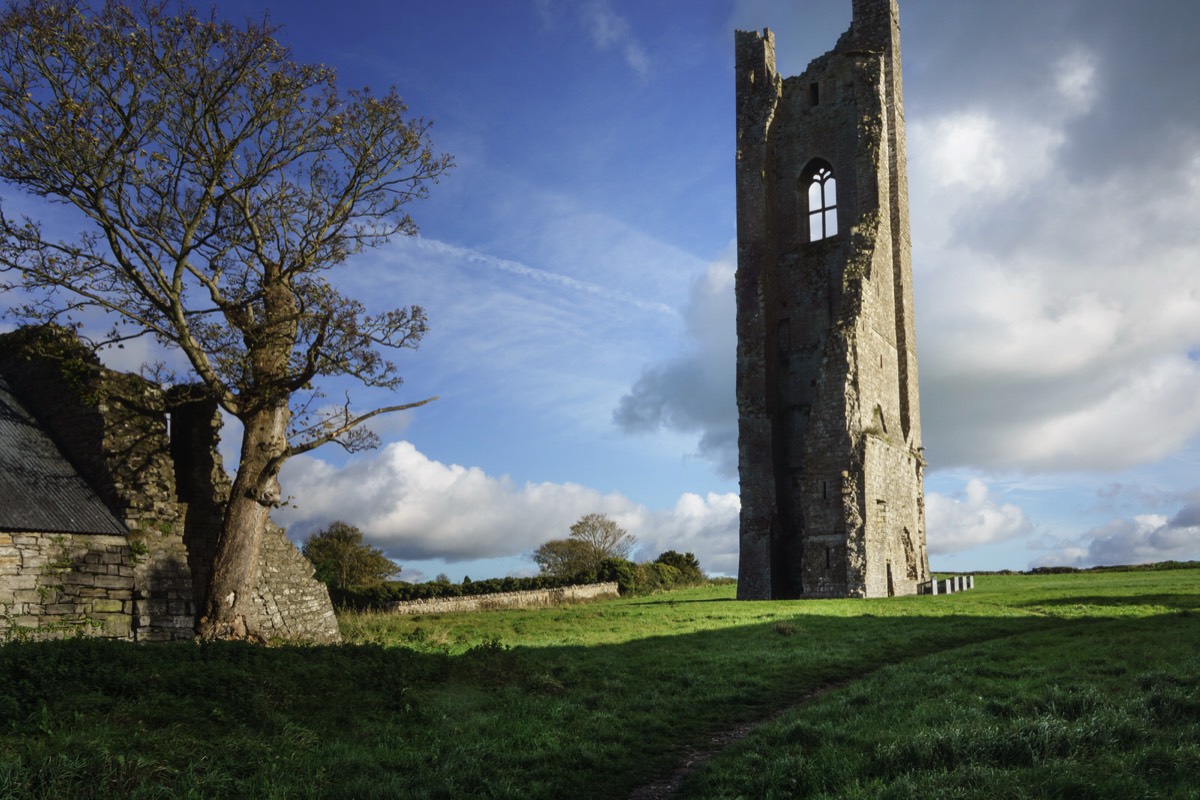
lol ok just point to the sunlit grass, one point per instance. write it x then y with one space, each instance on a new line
1095 709
1034 682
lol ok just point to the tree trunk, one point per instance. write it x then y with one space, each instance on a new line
230 612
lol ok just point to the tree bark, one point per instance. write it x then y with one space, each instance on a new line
230 611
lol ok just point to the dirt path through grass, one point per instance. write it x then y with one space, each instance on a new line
696 756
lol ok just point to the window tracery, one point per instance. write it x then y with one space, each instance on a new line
822 202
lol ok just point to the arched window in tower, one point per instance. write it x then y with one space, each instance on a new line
822 202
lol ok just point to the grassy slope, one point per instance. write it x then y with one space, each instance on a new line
1043 686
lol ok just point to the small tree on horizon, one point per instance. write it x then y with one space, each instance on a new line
343 561
594 538
607 538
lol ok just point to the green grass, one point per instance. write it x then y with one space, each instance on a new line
1084 685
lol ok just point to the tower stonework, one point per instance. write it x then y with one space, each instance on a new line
829 427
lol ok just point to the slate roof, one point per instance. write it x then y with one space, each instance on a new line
39 489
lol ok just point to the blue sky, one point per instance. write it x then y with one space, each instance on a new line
577 268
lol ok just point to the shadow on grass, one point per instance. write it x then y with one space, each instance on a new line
503 719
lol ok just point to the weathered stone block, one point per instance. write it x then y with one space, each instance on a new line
113 582
63 609
117 626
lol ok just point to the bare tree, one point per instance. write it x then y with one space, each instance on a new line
593 539
606 538
219 182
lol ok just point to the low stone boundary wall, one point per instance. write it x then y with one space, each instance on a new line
486 602
955 583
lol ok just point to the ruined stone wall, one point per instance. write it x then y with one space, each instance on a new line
202 484
897 561
166 484
829 430
65 584
758 88
292 605
112 427
163 586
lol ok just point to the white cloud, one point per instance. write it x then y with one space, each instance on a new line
970 519
991 319
611 31
566 282
706 526
608 30
973 151
1057 358
414 507
1076 81
1138 421
1056 305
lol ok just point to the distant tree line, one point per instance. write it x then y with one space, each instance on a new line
595 552
1155 567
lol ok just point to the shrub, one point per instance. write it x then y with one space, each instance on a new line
653 576
656 577
687 564
622 572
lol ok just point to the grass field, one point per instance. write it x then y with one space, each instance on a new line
1071 686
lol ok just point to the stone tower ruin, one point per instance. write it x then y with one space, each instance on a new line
829 428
